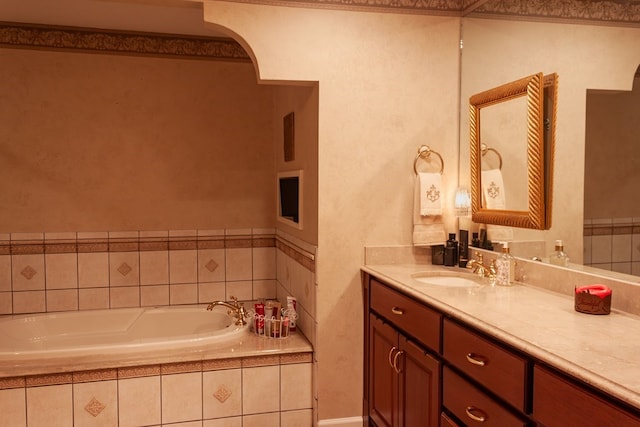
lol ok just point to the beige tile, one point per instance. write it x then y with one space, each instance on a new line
154 268
186 424
127 296
181 397
254 383
139 401
183 266
264 263
61 271
93 298
242 290
93 269
224 422
261 420
62 300
222 393
238 264
183 294
29 302
27 272
50 406
13 403
154 295
208 292
211 265
265 289
298 418
6 302
124 269
95 404
5 273
295 386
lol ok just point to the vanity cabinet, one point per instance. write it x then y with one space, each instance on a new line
425 368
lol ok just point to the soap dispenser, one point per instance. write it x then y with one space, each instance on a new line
451 251
559 257
505 267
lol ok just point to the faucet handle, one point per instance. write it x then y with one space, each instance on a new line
479 256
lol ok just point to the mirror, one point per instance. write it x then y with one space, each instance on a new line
516 123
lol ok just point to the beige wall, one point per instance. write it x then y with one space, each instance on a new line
387 83
104 142
585 57
612 166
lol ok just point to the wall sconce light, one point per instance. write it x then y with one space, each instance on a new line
462 202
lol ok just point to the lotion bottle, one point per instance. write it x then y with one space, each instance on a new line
505 267
451 251
559 257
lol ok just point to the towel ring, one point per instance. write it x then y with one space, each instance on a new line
424 152
484 150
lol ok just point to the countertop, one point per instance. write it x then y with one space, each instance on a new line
601 350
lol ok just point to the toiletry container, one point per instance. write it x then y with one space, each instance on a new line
451 251
559 257
505 267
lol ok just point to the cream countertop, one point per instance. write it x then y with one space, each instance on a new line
603 351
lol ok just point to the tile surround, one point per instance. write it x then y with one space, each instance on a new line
612 244
210 392
134 269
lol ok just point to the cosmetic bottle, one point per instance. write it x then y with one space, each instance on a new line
475 241
463 249
559 257
451 251
505 267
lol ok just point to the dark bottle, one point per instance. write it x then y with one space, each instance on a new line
475 241
451 251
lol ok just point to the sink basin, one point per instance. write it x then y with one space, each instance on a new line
450 280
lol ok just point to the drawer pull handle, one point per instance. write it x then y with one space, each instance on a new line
475 414
475 360
395 362
398 311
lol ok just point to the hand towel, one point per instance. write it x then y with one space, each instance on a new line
430 193
493 195
427 230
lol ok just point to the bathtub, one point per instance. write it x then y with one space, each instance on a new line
119 336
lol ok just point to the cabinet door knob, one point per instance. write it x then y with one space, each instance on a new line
475 414
397 310
474 359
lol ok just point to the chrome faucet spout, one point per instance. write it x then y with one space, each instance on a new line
235 309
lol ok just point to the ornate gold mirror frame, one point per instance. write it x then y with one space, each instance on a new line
541 114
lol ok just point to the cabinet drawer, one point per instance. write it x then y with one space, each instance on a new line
497 368
474 407
557 401
412 317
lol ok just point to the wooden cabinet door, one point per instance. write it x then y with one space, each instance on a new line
383 379
419 387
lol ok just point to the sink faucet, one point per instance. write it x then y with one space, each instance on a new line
236 309
480 269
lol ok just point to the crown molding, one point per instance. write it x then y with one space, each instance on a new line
33 36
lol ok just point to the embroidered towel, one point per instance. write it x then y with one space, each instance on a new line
493 195
430 197
428 230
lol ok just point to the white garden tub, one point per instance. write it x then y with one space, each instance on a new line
109 334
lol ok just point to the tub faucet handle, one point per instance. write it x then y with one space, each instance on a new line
235 309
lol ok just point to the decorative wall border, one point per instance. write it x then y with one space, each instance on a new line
120 42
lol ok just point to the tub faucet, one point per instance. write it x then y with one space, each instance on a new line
480 269
236 309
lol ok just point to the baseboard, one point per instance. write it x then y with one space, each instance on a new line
342 422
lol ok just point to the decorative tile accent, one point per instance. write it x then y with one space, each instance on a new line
28 272
50 379
94 407
124 269
138 371
211 265
221 364
286 359
180 368
95 375
222 393
252 362
237 243
12 382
